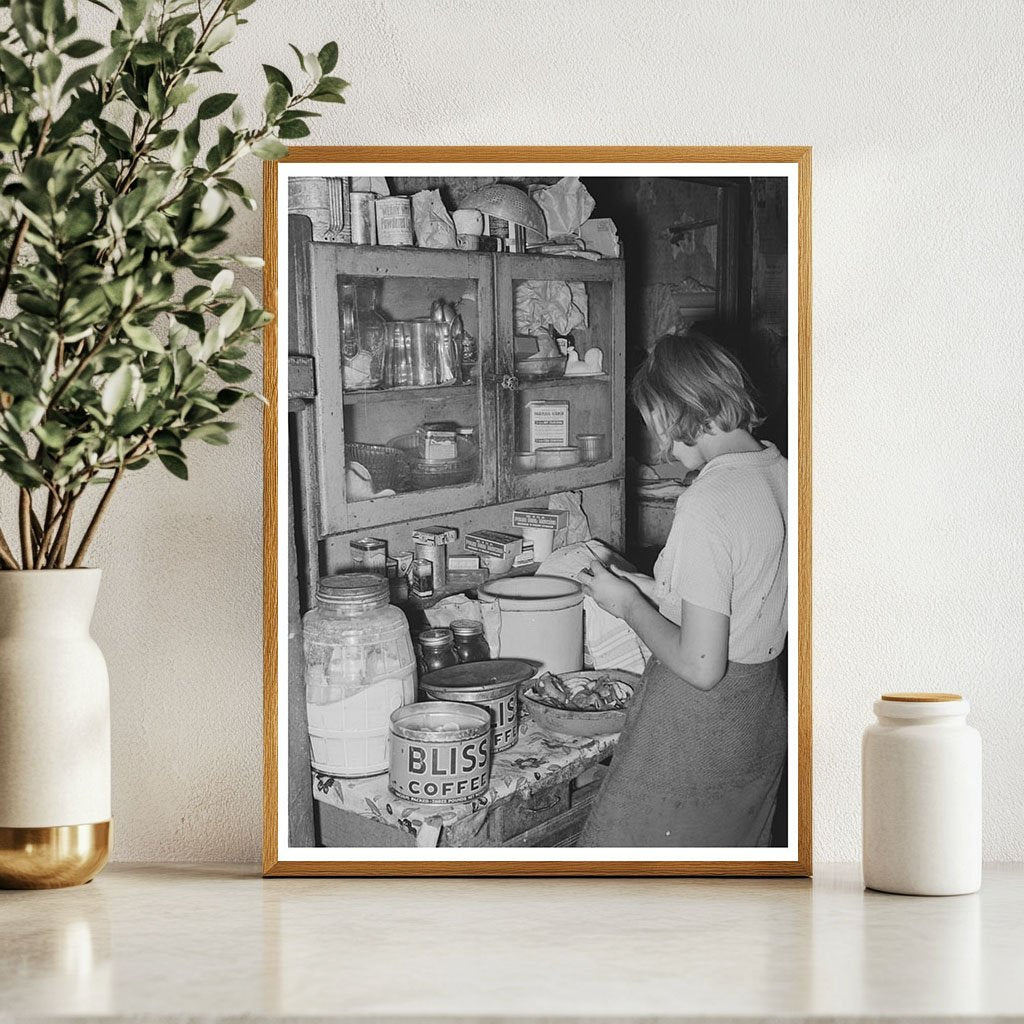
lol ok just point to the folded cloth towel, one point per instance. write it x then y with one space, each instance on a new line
608 642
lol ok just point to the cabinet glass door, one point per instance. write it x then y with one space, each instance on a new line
403 340
560 369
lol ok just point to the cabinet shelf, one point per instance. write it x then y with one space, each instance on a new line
573 380
415 391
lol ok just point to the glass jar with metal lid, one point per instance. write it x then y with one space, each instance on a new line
359 667
437 649
470 644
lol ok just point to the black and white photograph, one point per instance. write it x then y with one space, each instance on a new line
538 448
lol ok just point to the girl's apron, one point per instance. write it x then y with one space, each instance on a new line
695 768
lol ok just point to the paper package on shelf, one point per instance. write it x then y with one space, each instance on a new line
558 304
431 221
565 205
608 642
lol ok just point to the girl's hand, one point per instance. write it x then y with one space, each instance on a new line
645 584
611 592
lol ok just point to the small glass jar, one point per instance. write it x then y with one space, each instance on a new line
437 649
470 644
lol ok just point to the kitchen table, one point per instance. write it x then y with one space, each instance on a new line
539 795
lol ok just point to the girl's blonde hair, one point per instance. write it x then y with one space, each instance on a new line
689 383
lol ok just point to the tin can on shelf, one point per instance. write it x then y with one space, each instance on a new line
362 206
394 220
440 752
421 577
370 554
492 685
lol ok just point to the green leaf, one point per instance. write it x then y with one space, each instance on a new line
276 100
222 281
184 44
274 76
232 373
49 68
328 57
26 414
149 53
293 130
16 70
333 84
83 48
116 390
53 435
175 465
221 35
232 319
181 94
214 105
211 433
78 78
269 149
144 338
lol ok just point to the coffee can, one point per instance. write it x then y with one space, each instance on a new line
394 220
364 217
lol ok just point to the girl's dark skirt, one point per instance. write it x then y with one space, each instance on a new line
693 767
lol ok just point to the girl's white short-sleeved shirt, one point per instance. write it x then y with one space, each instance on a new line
727 551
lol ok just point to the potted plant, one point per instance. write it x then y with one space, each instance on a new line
122 342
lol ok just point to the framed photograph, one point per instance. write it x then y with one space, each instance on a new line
538 511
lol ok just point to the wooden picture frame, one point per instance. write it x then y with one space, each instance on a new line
283 798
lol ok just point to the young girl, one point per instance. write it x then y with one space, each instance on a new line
700 757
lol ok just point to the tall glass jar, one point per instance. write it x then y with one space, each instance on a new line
363 333
359 667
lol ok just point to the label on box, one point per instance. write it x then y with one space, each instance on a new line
493 542
435 535
546 518
547 425
458 563
439 445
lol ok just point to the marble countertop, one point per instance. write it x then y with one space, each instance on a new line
175 942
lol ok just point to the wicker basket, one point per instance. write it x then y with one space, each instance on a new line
387 466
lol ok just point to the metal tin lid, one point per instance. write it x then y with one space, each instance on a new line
427 721
474 675
438 636
467 627
353 591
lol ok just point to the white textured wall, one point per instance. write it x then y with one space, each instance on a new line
914 113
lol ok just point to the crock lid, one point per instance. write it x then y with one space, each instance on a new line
474 675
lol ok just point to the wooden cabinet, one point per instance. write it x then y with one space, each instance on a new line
334 424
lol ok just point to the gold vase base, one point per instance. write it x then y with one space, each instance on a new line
53 857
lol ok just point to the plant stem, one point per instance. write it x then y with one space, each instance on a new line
94 523
22 228
56 556
6 554
25 521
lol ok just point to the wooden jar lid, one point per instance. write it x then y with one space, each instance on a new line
921 698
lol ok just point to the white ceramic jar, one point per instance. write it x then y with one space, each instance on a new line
921 778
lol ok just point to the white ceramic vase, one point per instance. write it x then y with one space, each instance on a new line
54 731
921 773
